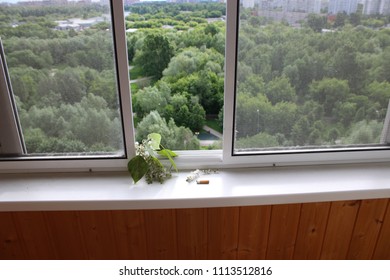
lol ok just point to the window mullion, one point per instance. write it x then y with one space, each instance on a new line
123 76
11 138
230 77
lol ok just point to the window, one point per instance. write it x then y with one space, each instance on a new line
65 88
291 83
176 56
307 83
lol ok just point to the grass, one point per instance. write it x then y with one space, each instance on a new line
134 87
214 124
135 72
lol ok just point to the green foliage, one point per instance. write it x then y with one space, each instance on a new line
261 140
172 135
155 55
316 22
146 163
364 133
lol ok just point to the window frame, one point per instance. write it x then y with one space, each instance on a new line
11 142
276 158
189 159
93 163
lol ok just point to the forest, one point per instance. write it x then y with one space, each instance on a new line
296 86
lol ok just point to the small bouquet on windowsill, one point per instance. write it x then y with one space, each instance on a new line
147 163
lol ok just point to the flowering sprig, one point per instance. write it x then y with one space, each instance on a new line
196 174
146 162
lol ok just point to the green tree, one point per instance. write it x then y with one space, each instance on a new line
150 99
173 137
340 20
329 92
258 141
280 90
155 55
316 22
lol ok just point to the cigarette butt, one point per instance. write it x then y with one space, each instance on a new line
202 181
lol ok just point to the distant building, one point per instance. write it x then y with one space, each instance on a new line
374 7
303 6
248 3
342 6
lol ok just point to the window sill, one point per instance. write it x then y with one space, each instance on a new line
230 187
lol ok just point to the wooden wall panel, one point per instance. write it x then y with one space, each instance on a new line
338 234
32 228
311 230
10 243
223 233
66 235
253 232
327 230
192 233
130 234
161 235
283 231
367 228
99 238
382 250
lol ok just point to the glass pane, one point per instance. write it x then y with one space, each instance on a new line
60 57
311 75
176 57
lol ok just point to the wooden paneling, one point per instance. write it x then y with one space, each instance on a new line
130 234
382 251
253 237
367 228
223 233
10 245
32 229
338 233
311 231
99 237
327 230
283 231
161 234
65 233
192 233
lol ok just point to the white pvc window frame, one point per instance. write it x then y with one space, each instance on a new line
11 136
82 164
193 159
277 158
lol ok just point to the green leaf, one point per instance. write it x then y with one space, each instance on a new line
166 152
169 154
137 167
155 140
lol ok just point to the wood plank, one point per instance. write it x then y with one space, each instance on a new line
311 230
66 235
99 237
33 230
192 233
339 230
223 232
130 235
283 231
367 229
382 250
11 247
161 234
253 232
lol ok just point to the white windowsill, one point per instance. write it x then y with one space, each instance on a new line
230 187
